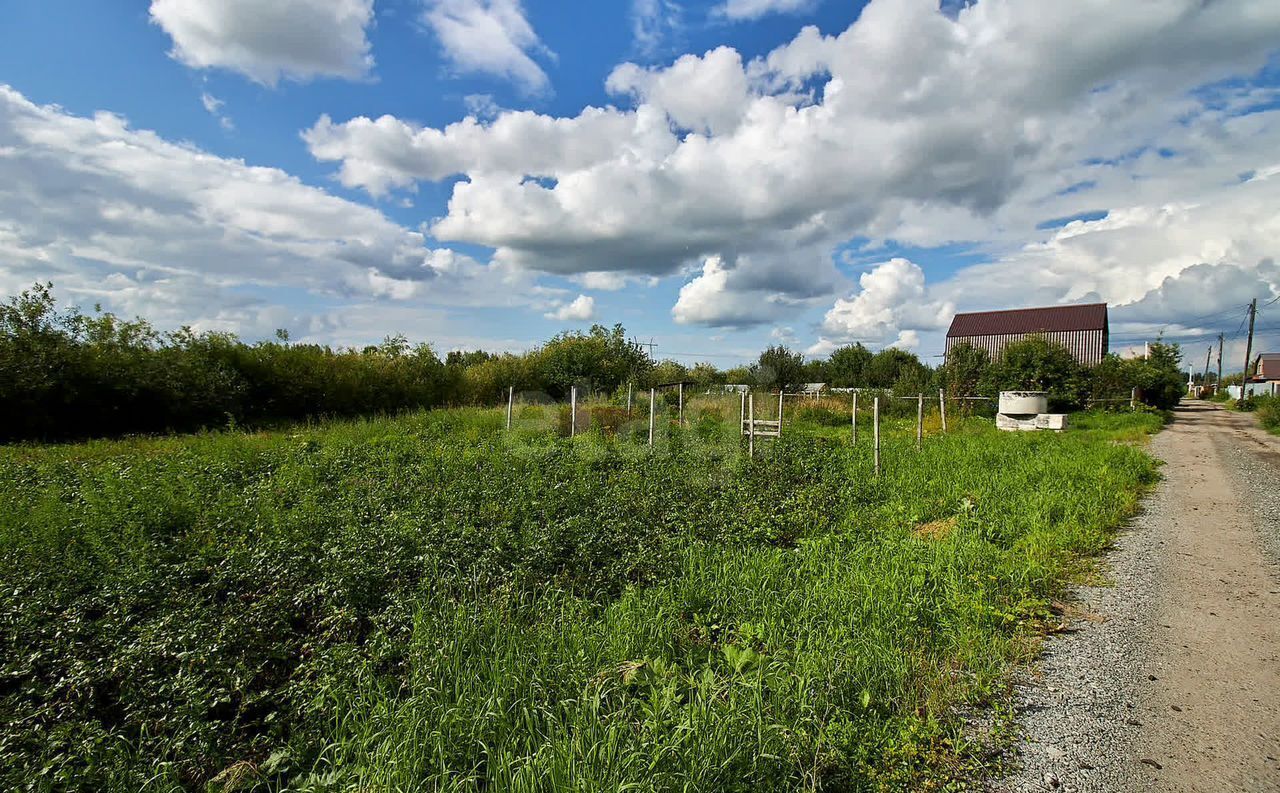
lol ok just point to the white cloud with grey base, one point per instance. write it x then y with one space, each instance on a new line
890 310
911 125
121 216
580 309
270 40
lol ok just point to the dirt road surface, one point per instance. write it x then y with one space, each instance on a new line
1169 680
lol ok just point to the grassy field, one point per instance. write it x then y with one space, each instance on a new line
431 603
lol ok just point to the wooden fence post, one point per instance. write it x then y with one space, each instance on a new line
942 408
854 420
1133 398
751 425
919 419
511 396
779 411
742 413
573 411
681 414
652 403
628 400
875 431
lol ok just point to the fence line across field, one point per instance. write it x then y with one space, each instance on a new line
750 427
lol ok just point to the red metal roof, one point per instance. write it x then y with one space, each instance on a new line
1080 316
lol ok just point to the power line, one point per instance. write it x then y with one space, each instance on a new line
1186 337
706 355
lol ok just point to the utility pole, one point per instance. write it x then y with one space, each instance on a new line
1204 379
1218 384
1248 347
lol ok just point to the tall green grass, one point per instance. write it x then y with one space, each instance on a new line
1268 410
431 603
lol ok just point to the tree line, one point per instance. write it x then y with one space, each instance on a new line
65 374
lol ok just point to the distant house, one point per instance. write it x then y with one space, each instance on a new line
813 389
1267 369
1082 328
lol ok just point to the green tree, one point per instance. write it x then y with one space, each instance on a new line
779 367
705 375
468 359
1037 364
891 366
669 371
1158 377
815 371
963 369
847 366
601 359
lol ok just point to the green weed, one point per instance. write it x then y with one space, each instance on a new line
432 603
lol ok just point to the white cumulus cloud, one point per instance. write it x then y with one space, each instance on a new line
267 40
121 216
890 308
489 37
580 309
913 125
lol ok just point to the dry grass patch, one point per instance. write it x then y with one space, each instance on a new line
935 529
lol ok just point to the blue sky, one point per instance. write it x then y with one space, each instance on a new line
717 176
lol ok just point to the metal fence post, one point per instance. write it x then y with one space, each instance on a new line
919 419
681 414
628 400
573 411
854 419
652 403
742 413
511 396
751 425
875 431
779 411
942 408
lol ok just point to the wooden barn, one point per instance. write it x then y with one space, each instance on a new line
1081 328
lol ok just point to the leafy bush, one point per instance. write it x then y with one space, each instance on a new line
608 419
67 375
1268 410
1037 364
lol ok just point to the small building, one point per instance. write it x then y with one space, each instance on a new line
1082 328
1267 370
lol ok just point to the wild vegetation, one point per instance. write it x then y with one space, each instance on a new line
1266 408
432 602
68 375
1269 413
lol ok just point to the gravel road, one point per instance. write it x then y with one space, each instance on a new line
1169 680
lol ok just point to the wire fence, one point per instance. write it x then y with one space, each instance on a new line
653 417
